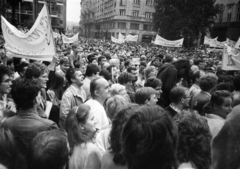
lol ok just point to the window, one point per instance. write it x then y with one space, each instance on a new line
221 13
148 15
147 27
135 13
122 12
136 2
122 2
134 26
229 15
149 2
238 13
121 25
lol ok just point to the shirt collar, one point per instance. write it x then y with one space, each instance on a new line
176 109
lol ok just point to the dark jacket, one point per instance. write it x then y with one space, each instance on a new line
170 111
24 127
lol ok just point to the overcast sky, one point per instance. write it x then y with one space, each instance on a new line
73 10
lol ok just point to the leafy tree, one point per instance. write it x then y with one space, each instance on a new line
184 18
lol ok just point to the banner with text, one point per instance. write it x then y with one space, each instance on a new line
115 40
70 40
214 43
231 58
168 43
36 44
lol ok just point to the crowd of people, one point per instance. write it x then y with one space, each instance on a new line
101 105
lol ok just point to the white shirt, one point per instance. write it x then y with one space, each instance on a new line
99 113
215 123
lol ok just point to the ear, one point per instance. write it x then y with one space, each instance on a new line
96 92
146 101
73 80
182 100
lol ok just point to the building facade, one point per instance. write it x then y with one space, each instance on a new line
227 24
26 12
106 18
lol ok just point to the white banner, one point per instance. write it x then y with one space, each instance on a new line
168 43
213 42
231 58
70 40
36 44
120 36
115 40
132 38
238 44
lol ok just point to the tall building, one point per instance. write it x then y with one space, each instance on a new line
106 18
227 24
26 12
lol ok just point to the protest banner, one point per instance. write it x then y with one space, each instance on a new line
36 44
70 40
231 58
120 36
214 43
237 45
132 38
115 40
168 43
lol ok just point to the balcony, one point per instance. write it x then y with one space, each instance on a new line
132 18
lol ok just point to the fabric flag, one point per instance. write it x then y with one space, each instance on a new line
120 36
115 40
36 44
231 58
168 43
237 45
70 40
132 38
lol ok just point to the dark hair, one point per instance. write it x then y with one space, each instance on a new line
94 86
35 70
194 140
91 60
195 76
236 83
64 61
21 67
106 74
49 150
177 93
208 82
92 70
77 115
77 63
149 139
56 85
125 77
127 63
70 74
101 58
218 97
225 86
23 92
4 70
8 149
182 64
153 82
144 94
118 122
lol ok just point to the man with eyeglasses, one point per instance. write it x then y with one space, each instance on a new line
6 104
180 98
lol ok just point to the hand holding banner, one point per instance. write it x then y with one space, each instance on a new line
36 44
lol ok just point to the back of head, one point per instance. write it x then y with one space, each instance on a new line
208 82
116 89
217 97
124 78
143 94
94 86
24 92
4 70
147 137
49 150
113 104
35 70
153 82
8 149
92 70
194 143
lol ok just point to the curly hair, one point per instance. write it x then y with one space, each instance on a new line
124 78
194 143
150 139
118 121
4 70
35 70
208 82
23 92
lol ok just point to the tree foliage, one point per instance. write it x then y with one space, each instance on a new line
174 19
